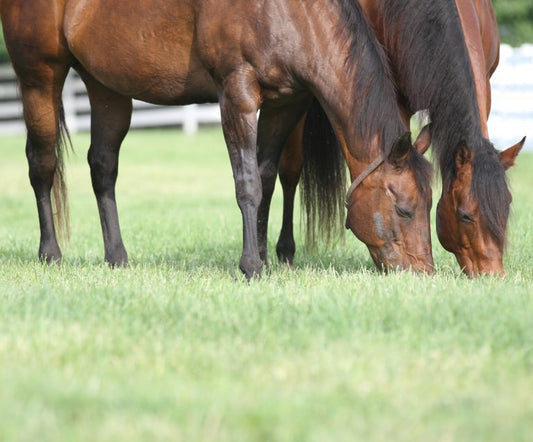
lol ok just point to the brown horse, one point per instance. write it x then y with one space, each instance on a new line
247 55
442 55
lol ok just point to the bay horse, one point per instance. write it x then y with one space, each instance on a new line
442 55
272 56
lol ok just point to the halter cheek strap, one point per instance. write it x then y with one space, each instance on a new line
367 171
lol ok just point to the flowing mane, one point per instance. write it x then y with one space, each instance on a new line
375 103
375 95
374 110
433 71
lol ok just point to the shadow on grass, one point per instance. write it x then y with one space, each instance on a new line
205 256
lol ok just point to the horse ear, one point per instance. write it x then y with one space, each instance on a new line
463 155
400 150
508 156
423 141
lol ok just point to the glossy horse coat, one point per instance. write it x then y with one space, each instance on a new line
247 55
442 55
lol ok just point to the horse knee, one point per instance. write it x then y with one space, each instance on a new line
248 190
104 169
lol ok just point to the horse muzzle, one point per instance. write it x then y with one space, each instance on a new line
392 258
474 268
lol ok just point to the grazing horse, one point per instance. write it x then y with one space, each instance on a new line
271 56
442 54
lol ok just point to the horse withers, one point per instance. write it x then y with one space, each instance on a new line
247 55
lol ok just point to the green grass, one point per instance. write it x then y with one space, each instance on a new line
179 347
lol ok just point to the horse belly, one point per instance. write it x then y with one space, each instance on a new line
144 50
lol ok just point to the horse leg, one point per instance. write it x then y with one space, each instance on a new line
275 125
110 121
239 102
41 97
290 170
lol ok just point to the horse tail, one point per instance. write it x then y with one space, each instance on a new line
59 188
323 177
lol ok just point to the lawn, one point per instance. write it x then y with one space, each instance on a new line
180 347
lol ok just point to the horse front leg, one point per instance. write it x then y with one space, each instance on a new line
110 121
275 125
290 170
239 102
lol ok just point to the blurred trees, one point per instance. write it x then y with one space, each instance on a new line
515 20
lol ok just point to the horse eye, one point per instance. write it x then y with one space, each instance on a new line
404 213
465 217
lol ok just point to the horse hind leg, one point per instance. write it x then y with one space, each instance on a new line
239 101
110 121
41 97
290 170
275 126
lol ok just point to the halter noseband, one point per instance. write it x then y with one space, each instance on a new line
368 170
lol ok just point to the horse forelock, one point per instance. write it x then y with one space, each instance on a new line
490 189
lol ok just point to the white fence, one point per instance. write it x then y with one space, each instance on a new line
77 109
511 116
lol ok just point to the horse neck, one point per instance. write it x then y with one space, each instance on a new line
429 52
482 43
352 81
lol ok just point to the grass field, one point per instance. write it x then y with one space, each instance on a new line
179 347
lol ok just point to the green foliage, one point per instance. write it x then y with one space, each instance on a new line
4 57
179 347
515 20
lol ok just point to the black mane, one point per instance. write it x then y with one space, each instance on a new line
374 111
377 110
375 95
426 44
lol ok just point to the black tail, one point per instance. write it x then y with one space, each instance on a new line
323 177
59 188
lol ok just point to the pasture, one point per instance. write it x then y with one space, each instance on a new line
180 347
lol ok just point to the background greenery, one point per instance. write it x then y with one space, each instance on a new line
515 18
179 347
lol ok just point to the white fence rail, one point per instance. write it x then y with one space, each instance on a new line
511 116
77 109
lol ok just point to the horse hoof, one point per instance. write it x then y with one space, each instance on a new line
50 259
118 261
251 267
285 254
119 264
50 255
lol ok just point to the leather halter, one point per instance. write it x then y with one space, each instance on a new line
367 171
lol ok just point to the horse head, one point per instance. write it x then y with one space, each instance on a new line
473 211
389 203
